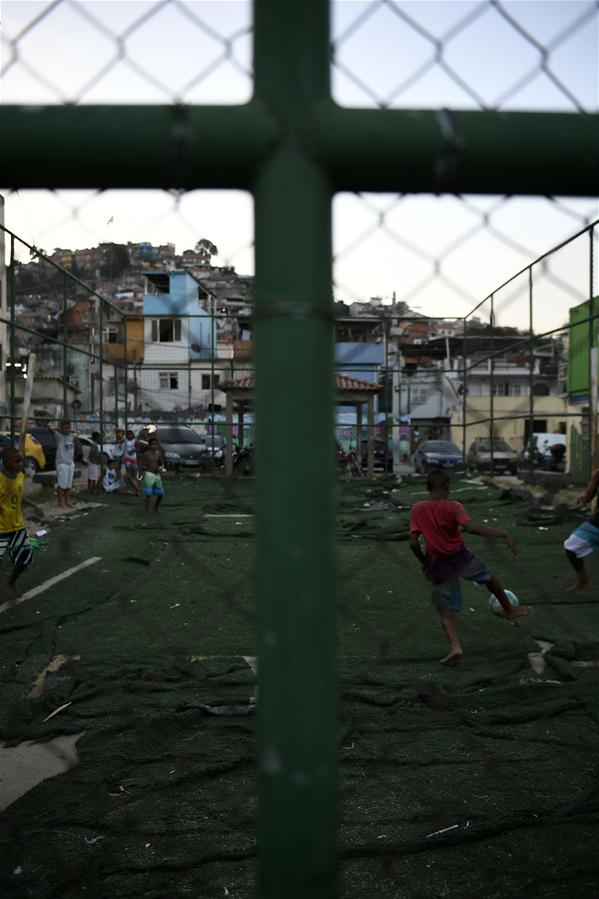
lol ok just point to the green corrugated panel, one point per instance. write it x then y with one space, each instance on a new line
578 349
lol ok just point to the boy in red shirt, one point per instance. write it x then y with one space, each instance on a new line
447 559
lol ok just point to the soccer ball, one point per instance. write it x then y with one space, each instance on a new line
496 605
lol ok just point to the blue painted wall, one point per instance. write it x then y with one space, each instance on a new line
360 360
182 302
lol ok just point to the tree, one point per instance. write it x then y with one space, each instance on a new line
206 249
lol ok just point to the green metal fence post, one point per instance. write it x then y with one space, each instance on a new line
126 370
12 343
297 724
492 385
116 396
65 335
531 362
593 399
464 389
101 367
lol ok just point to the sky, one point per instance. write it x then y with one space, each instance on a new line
441 254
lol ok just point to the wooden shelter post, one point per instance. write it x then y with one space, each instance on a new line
240 413
370 438
229 443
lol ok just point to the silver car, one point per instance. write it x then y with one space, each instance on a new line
503 458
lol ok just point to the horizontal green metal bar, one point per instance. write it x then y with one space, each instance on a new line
452 151
134 146
361 149
524 417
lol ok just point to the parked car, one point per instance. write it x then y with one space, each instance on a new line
34 458
383 454
438 454
85 442
46 438
504 458
182 447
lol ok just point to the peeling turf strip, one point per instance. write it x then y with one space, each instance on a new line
41 588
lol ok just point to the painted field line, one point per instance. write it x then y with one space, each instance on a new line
47 584
227 515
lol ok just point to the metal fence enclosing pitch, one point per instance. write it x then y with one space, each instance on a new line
293 148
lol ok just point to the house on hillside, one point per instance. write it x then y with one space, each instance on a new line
183 364
424 374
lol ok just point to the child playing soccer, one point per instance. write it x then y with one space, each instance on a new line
585 539
447 558
151 465
13 534
94 464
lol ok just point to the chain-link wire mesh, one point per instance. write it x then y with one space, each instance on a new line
152 656
148 52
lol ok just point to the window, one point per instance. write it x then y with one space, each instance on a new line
166 330
510 388
112 335
206 382
169 380
419 394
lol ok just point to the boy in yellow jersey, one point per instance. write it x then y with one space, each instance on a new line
13 534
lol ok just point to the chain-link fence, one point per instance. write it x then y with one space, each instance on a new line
149 664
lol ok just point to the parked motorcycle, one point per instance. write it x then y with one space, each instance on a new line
243 460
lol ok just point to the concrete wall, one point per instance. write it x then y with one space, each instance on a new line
153 396
505 407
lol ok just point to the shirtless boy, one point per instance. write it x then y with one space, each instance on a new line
151 464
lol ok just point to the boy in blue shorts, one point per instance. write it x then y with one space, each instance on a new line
151 466
447 558
585 539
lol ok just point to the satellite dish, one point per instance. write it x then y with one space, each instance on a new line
196 348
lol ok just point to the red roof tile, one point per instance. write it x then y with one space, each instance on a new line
344 384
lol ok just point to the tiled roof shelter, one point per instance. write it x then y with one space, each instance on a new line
350 391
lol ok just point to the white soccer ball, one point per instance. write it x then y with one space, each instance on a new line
496 605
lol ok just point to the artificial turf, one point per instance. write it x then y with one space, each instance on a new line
162 802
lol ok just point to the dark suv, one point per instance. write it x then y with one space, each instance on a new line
182 447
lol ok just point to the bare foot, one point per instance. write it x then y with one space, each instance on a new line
14 589
579 585
453 657
517 612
